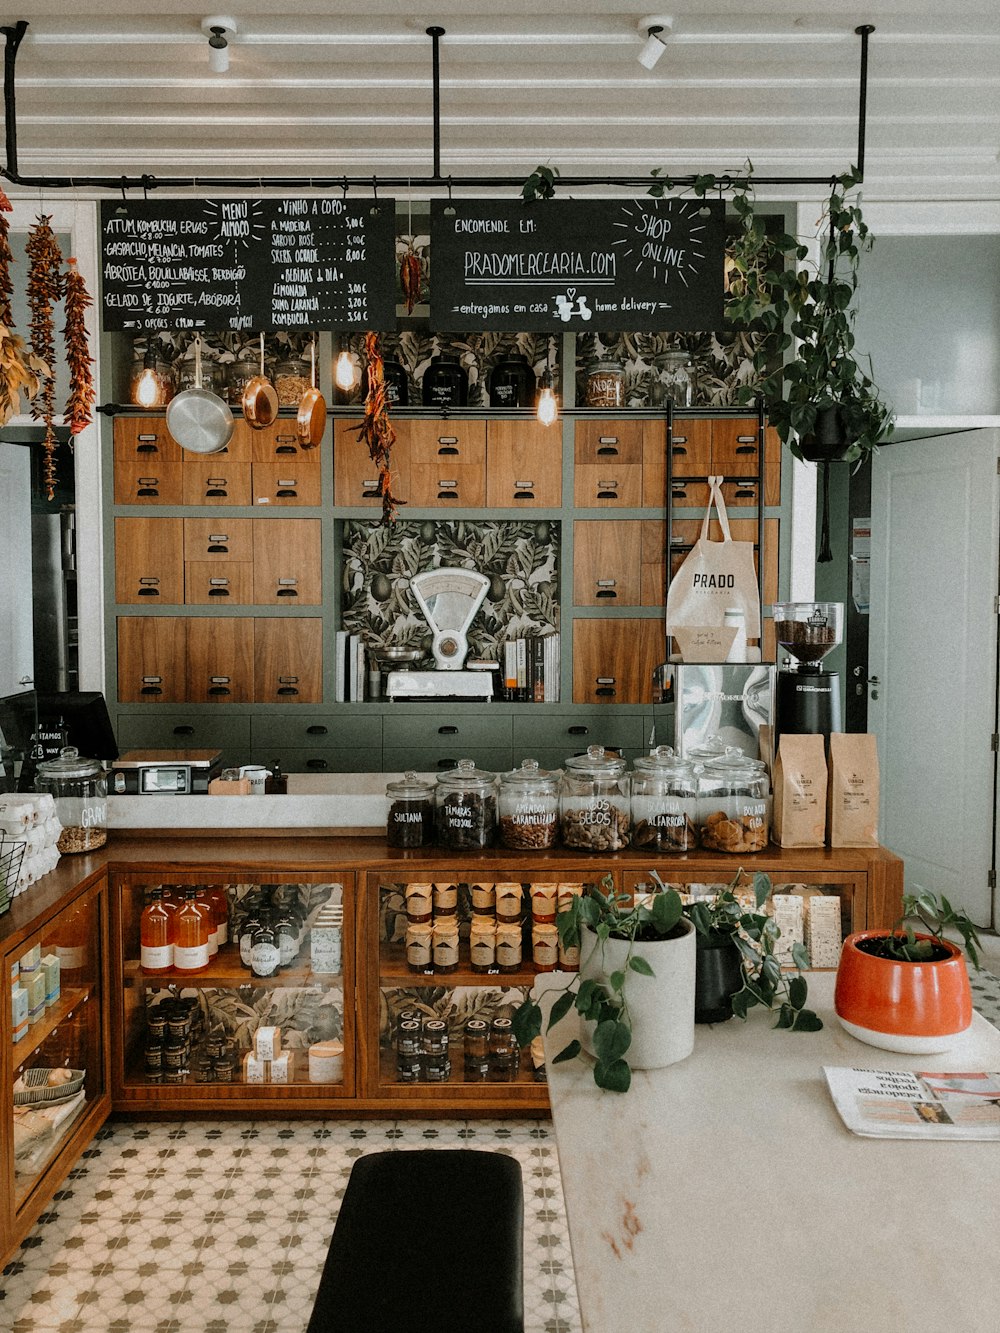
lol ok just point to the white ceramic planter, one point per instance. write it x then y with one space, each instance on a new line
661 1006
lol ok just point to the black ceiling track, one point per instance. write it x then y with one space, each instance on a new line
436 181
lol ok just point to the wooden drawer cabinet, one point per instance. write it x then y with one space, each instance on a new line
404 758
653 563
152 659
608 442
613 660
436 731
447 463
213 479
606 558
288 660
735 448
149 563
562 735
275 443
355 476
692 456
218 538
218 583
287 483
523 465
144 440
690 494
446 483
287 567
303 759
220 660
610 485
149 483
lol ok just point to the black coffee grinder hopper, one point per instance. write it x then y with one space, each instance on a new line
807 696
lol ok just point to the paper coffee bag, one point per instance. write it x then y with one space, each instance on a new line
852 800
799 786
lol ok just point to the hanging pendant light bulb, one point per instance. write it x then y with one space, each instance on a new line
148 386
547 409
344 374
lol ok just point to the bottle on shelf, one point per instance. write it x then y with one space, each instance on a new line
191 932
156 943
220 905
205 907
265 956
286 936
251 922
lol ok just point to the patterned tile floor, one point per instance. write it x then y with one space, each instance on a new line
202 1227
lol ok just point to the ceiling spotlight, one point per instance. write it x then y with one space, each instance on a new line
656 29
219 30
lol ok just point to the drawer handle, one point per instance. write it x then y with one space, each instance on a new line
607 495
286 449
219 689
371 491
287 592
578 730
745 492
606 451
217 550
606 691
218 592
317 730
607 592
286 494
446 449
147 490
448 731
148 587
150 689
447 495
214 491
447 763
146 449
317 763
524 495
287 689
184 730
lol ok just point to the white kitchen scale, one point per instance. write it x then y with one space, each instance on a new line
449 599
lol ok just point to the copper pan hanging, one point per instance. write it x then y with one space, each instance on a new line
311 421
260 401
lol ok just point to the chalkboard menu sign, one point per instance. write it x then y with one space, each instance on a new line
219 264
634 264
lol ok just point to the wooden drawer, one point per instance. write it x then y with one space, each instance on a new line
275 443
144 440
218 539
690 494
404 759
149 563
691 447
220 660
151 659
611 485
609 442
355 476
735 448
447 483
737 493
772 467
442 442
318 731
652 563
523 465
288 661
238 450
291 483
215 480
606 562
334 759
287 568
152 483
218 583
613 660
451 730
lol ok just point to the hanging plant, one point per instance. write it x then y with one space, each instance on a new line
45 287
81 381
21 371
376 429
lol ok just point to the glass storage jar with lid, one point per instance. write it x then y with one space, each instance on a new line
292 378
605 384
239 373
212 375
79 788
410 817
465 807
594 801
664 802
734 803
529 807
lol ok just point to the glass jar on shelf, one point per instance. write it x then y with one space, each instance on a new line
734 804
664 802
292 377
410 816
465 807
79 788
605 384
213 375
239 373
594 801
529 807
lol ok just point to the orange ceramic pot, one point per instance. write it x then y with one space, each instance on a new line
900 1006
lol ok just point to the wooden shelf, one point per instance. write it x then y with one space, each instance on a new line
226 971
394 969
47 1024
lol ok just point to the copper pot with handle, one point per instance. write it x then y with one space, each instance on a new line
260 400
311 421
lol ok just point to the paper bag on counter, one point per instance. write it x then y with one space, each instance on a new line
799 792
853 790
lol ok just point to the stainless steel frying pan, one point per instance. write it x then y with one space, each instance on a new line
198 419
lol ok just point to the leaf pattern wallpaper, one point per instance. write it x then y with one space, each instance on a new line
521 560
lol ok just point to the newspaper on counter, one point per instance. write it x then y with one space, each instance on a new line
900 1104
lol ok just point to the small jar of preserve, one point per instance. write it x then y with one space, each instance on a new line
484 899
419 948
445 946
410 818
509 947
419 903
509 903
544 899
445 900
483 945
544 947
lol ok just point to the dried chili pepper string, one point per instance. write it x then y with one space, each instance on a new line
81 381
376 429
45 286
6 259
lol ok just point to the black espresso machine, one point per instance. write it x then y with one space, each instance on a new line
807 696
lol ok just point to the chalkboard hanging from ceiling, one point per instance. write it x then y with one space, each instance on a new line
634 264
219 264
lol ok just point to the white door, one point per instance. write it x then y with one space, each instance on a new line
16 651
933 647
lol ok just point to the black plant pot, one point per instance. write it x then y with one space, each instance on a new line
718 977
828 440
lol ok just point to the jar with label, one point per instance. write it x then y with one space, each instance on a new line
445 900
734 804
435 1064
445 946
511 383
408 1051
544 947
291 380
265 954
484 900
213 376
420 948
544 899
466 807
483 945
529 807
239 373
664 802
410 818
477 1050
504 1053
509 903
396 382
594 802
79 788
445 382
605 384
419 903
509 948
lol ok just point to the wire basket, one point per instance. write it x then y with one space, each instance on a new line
11 856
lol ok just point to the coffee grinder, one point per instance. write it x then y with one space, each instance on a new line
807 697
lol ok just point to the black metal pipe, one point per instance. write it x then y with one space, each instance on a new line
864 32
13 41
435 34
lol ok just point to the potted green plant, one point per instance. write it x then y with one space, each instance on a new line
636 987
907 989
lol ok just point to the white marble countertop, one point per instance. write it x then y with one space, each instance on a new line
724 1193
314 801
